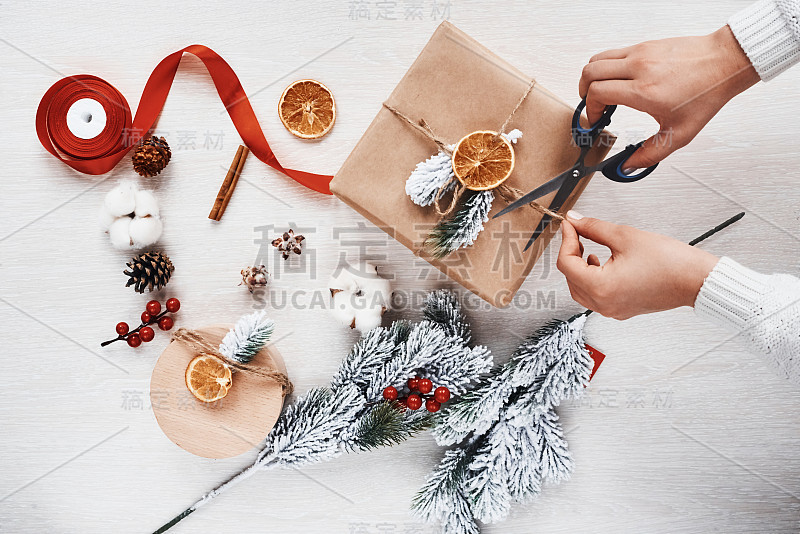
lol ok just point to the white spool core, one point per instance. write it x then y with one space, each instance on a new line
86 118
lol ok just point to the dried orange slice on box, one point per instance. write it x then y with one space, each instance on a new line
307 109
208 378
483 160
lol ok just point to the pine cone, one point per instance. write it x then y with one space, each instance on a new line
149 270
151 156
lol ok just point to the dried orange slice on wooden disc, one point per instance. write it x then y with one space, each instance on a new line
307 109
483 160
208 378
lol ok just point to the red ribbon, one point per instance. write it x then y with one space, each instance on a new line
100 154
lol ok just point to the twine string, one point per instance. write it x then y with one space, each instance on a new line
512 194
508 193
196 340
519 103
457 192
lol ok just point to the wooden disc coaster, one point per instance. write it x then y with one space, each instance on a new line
228 427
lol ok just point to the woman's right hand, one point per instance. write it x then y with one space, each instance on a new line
681 82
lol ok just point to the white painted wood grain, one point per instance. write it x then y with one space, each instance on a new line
683 431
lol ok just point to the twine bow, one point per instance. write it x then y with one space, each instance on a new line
195 340
508 193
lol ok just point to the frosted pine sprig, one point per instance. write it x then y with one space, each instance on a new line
463 228
507 431
247 337
442 306
428 177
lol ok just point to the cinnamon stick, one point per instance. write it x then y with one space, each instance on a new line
226 186
235 180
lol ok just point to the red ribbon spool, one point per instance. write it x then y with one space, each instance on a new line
101 153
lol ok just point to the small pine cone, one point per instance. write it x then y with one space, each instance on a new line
151 156
150 270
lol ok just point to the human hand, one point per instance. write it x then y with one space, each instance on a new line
646 273
681 82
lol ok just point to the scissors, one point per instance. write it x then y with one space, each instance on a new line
566 182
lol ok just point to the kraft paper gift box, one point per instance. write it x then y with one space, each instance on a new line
458 86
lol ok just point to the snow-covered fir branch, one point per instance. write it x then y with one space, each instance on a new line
463 228
428 177
442 496
247 337
308 430
508 432
442 306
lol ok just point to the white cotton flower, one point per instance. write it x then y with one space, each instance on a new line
146 204
145 231
119 232
131 216
360 296
121 200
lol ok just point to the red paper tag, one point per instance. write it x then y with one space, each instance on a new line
597 356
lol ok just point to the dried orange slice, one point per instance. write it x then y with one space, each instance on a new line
483 160
208 378
307 109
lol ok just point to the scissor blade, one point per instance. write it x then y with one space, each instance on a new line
544 189
539 229
563 194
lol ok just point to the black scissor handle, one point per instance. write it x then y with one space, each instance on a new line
585 137
612 167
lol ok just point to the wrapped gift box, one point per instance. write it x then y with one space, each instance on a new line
458 86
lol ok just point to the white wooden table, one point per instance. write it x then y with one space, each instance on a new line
682 429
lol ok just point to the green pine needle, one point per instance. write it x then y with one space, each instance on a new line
386 424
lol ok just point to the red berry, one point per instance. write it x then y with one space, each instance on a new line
432 405
425 386
146 317
390 393
122 328
414 401
153 307
442 394
413 384
165 323
173 305
401 403
147 334
134 340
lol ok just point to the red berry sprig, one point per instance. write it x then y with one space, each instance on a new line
151 315
419 392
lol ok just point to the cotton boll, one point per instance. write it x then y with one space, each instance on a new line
343 309
360 296
121 200
145 231
105 218
119 232
146 204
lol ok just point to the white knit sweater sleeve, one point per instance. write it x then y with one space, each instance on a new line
763 309
769 33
